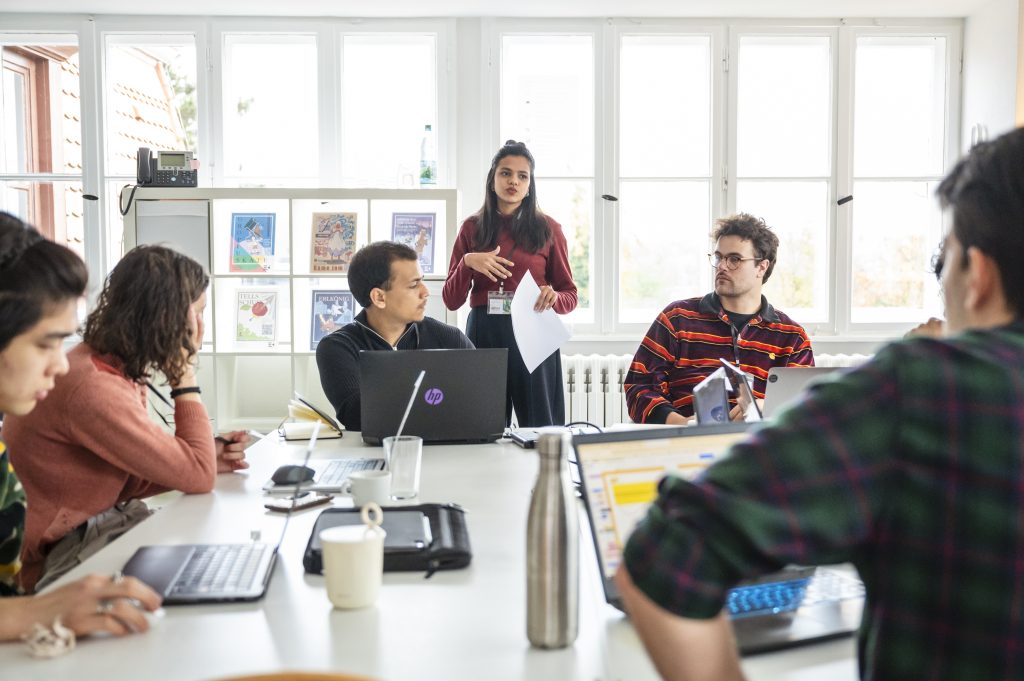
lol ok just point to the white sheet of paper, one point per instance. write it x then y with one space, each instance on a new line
537 333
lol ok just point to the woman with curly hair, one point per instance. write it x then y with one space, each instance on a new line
40 285
95 452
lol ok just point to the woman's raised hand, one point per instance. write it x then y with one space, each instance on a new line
489 264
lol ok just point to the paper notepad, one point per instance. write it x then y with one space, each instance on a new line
303 430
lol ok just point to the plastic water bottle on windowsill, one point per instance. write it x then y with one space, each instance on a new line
428 158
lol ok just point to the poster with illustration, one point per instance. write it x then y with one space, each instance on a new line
416 230
257 316
252 241
334 241
331 311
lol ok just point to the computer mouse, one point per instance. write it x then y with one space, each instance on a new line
292 474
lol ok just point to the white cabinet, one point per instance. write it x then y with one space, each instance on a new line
255 355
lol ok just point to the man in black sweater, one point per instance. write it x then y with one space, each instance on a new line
386 280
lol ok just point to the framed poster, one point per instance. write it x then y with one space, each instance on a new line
416 230
256 312
331 310
334 242
252 241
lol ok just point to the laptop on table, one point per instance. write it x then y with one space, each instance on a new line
192 574
461 400
620 472
785 384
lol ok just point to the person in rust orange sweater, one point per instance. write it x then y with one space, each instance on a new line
95 452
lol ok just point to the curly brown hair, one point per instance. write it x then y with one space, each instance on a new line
752 229
142 314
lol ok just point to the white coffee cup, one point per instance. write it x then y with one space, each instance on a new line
367 486
353 557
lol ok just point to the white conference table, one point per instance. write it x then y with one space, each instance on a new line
459 624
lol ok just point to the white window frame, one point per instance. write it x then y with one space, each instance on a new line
736 32
619 29
952 31
725 36
495 30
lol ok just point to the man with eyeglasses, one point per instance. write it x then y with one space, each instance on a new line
734 322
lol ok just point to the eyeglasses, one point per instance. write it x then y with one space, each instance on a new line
732 261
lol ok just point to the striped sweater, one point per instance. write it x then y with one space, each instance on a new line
687 339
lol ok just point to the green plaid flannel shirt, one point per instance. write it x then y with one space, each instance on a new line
911 467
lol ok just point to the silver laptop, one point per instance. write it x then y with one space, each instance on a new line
785 384
620 472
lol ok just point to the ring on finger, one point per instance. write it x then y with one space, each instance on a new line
117 577
104 607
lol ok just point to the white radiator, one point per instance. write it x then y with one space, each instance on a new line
593 385
593 388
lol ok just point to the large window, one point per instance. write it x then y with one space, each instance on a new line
41 136
783 160
270 119
151 99
389 117
644 132
547 101
705 122
665 147
901 104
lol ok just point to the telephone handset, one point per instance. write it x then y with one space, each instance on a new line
168 169
145 171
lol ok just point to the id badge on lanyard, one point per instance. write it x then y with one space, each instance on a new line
500 301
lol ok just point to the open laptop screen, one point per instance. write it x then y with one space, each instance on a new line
620 473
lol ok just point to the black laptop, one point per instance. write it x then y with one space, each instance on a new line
620 472
461 400
192 574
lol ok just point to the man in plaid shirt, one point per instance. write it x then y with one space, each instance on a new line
911 467
734 322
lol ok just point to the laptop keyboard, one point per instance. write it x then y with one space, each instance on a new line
337 471
778 597
220 568
830 585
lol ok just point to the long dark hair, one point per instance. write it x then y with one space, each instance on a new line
142 314
530 230
36 275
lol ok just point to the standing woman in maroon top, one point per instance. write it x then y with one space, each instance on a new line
507 239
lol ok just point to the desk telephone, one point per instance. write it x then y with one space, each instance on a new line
168 169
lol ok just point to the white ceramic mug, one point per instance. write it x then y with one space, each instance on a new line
353 557
367 486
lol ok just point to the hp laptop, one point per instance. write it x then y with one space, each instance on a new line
461 400
785 384
190 574
620 472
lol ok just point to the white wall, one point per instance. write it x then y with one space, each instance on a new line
990 69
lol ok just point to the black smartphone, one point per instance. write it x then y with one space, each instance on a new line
298 503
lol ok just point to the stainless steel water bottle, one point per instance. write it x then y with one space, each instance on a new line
552 549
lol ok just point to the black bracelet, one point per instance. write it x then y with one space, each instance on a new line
178 392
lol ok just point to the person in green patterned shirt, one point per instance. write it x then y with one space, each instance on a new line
40 286
910 466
